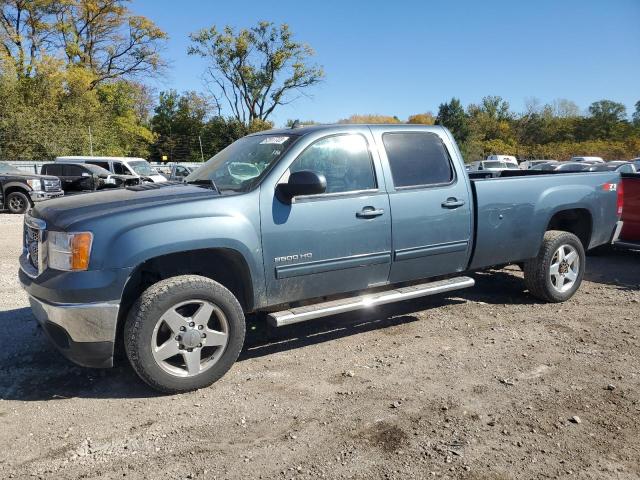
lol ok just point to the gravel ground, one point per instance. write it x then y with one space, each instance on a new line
485 383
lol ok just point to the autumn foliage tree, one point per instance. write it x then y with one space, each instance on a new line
102 36
255 70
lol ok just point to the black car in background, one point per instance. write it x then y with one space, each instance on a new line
19 190
85 176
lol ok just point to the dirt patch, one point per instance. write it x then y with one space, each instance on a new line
387 437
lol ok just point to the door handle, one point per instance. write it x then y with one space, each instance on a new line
369 212
452 203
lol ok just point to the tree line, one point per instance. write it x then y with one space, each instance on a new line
74 80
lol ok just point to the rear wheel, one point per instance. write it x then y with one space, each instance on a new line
18 202
184 333
557 272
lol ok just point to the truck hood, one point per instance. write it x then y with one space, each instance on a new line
60 213
28 176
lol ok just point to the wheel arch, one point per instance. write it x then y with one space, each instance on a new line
14 188
224 265
578 221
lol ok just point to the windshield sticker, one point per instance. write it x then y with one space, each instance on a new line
274 140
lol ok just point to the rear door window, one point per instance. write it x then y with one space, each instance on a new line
104 165
417 159
72 170
51 169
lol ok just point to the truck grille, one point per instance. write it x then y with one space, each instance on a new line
51 184
32 242
34 232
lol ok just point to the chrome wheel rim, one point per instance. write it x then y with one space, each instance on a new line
565 267
190 337
16 203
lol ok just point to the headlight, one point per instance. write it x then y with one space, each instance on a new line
69 251
35 184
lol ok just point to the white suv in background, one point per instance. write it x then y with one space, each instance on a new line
138 167
503 158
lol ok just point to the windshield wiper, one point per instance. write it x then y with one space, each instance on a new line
209 182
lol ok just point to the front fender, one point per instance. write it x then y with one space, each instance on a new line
135 246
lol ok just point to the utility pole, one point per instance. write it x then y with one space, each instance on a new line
201 153
90 143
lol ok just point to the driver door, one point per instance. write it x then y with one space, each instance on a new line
335 242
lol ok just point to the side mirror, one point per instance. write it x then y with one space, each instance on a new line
300 183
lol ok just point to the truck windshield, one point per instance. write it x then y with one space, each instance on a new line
6 168
142 167
242 164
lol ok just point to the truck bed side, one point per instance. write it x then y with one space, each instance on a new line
513 213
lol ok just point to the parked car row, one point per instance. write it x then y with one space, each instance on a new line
136 167
621 166
19 190
81 177
174 171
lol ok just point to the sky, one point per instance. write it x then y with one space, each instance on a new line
405 57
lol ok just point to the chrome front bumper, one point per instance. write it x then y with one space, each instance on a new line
38 196
84 332
83 322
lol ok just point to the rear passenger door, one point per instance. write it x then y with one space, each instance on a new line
73 179
430 203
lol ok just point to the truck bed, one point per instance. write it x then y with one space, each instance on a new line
512 212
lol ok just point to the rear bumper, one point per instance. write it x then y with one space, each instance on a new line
616 232
627 245
83 332
40 195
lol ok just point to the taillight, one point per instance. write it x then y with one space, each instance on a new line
620 197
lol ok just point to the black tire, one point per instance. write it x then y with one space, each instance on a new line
537 271
18 202
162 297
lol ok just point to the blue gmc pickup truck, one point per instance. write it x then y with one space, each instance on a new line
294 225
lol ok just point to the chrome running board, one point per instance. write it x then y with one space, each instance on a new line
334 307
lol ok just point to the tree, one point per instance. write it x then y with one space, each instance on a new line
255 70
102 36
636 115
422 119
370 118
494 107
50 113
452 116
605 119
178 122
564 108
25 31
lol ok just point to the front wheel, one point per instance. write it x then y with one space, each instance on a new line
18 202
557 272
184 333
